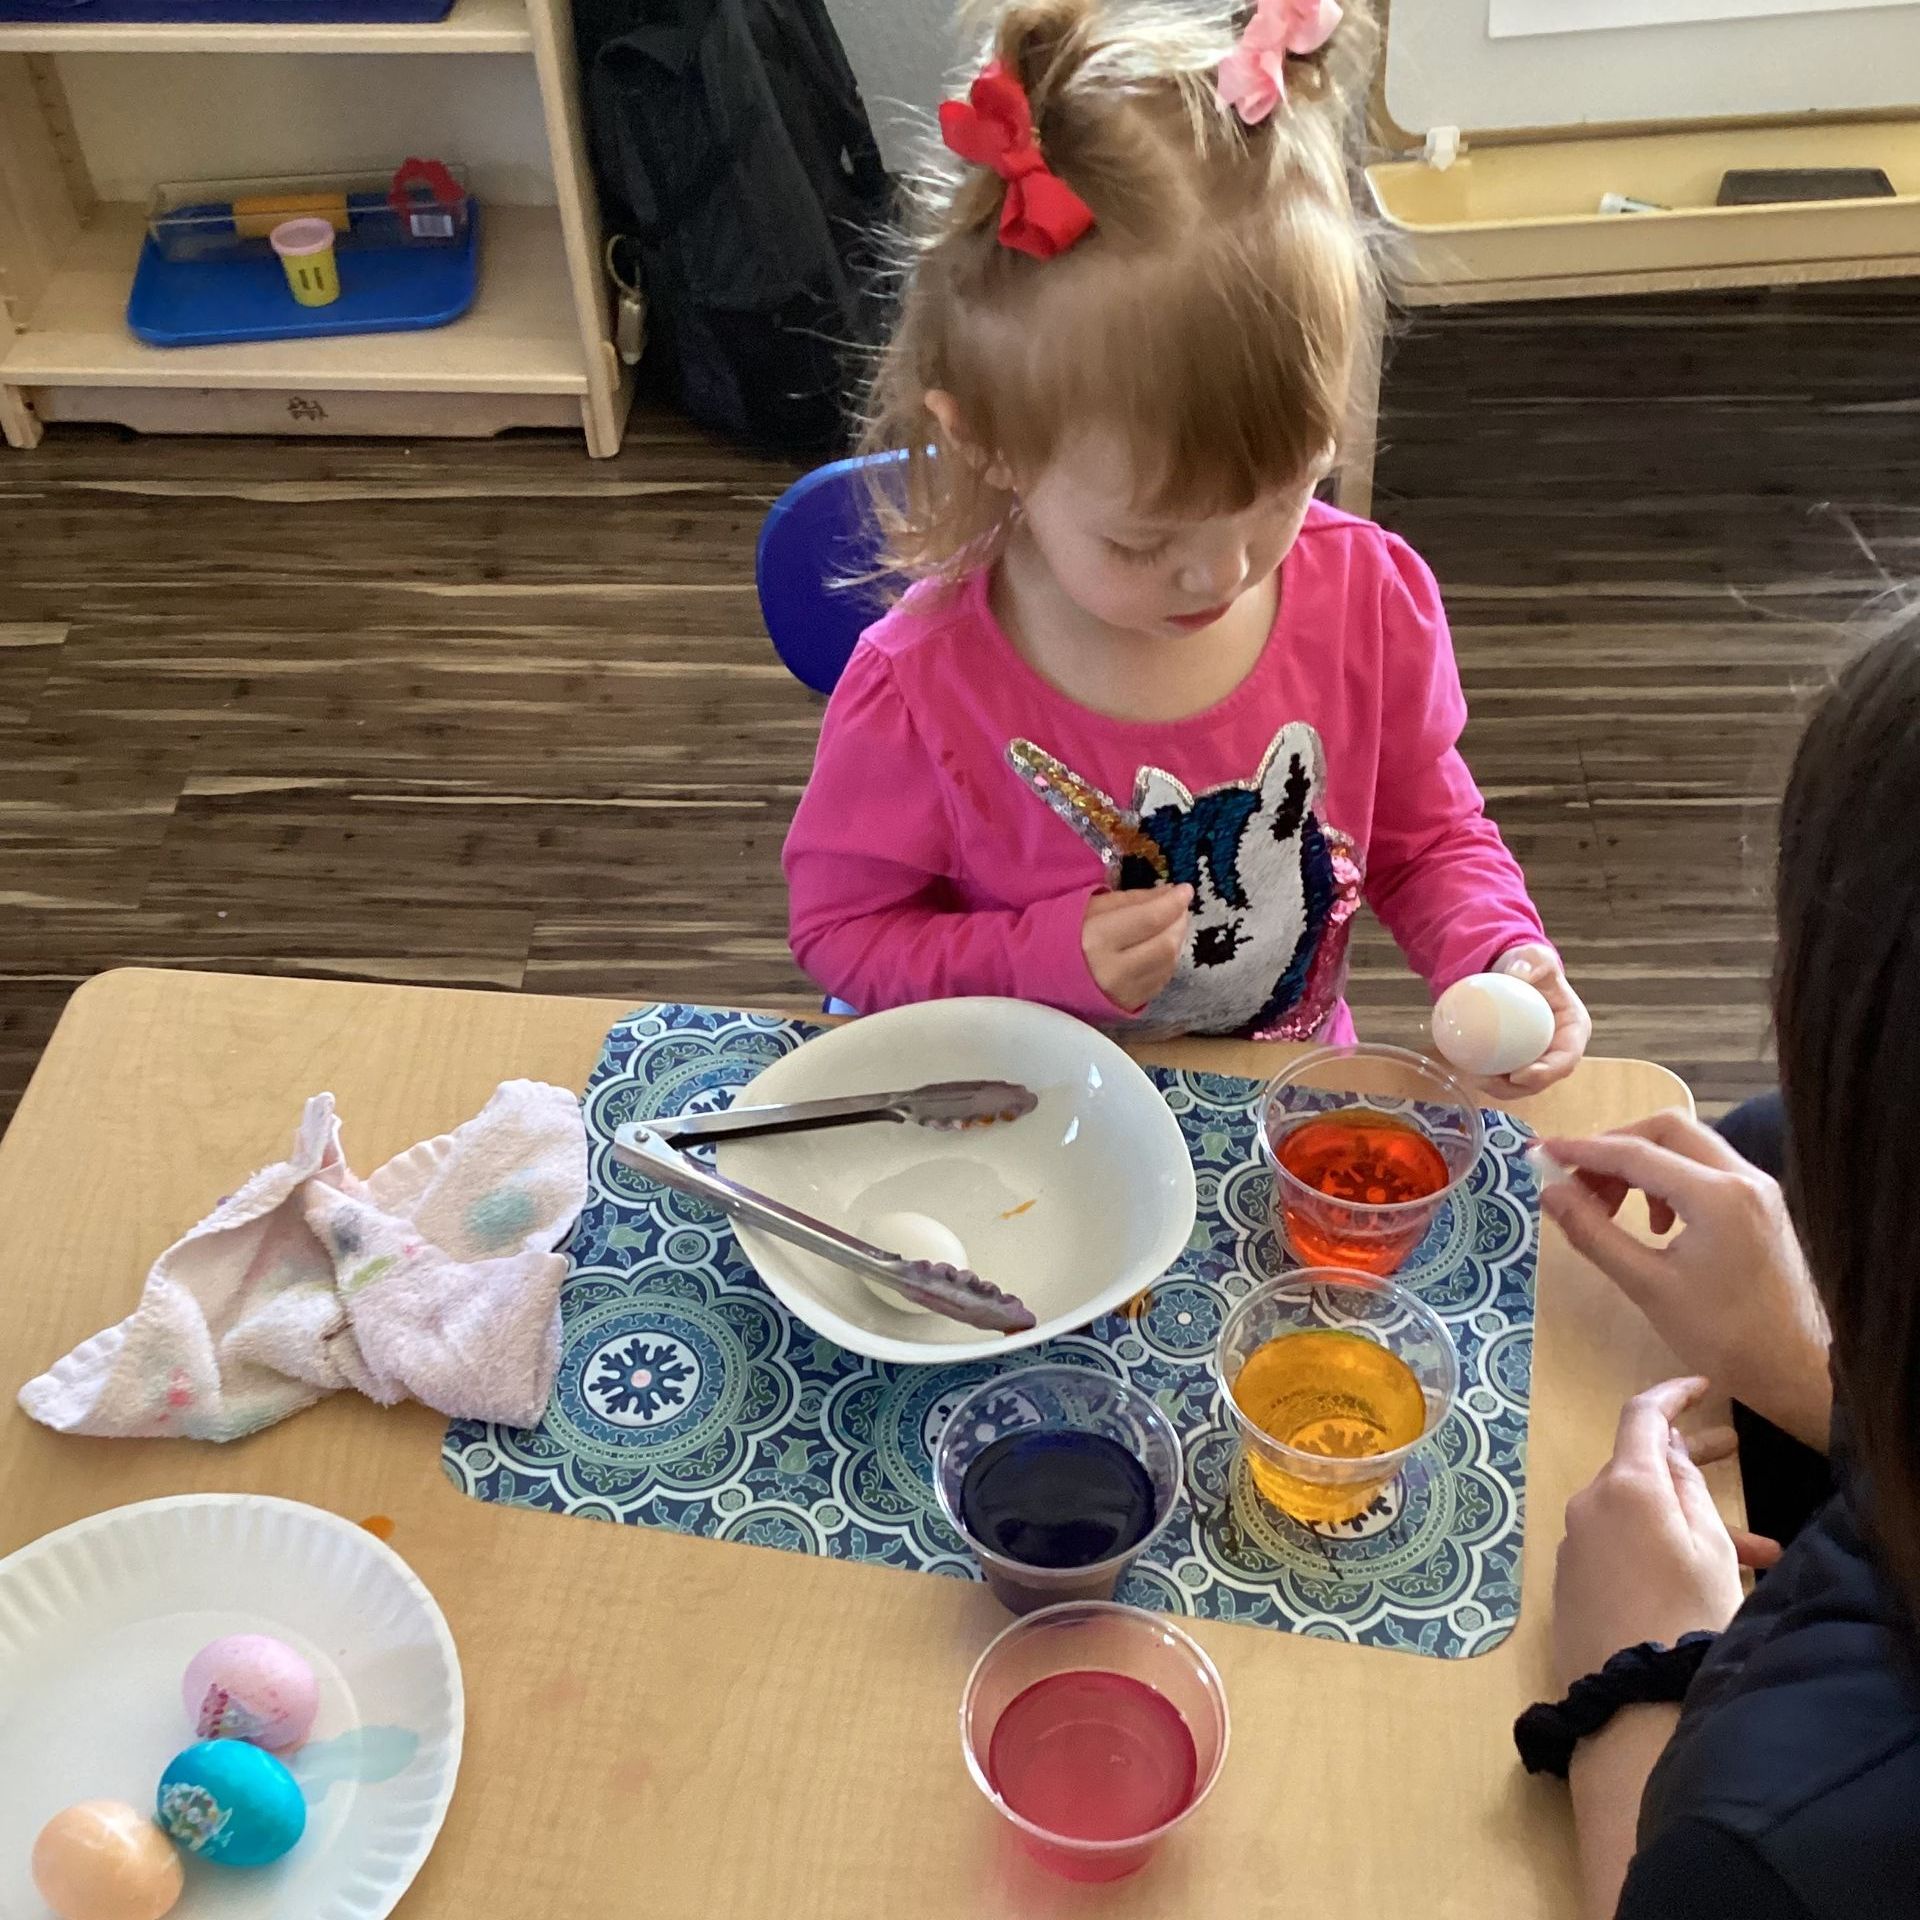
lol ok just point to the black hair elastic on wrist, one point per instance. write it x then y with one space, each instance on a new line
1652 1673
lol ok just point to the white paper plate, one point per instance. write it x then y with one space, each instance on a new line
97 1624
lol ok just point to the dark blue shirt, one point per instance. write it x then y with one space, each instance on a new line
1791 1788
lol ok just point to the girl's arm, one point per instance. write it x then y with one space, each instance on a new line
1438 873
869 861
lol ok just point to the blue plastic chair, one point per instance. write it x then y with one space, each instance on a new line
818 534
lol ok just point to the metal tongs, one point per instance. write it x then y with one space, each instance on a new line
946 1106
954 1292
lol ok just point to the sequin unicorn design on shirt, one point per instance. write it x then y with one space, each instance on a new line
1274 887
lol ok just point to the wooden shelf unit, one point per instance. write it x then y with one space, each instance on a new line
516 339
535 349
474 26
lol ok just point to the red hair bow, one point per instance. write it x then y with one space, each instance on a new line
993 127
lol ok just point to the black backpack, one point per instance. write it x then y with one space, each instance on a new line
733 148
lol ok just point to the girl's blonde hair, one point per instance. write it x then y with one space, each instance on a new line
1209 317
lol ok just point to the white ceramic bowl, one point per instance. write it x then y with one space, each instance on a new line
1075 1207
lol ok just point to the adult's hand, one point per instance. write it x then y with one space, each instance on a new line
1646 1554
1730 1293
1646 1558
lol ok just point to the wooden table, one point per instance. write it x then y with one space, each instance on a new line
694 1731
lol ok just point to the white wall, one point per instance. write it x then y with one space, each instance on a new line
901 51
144 118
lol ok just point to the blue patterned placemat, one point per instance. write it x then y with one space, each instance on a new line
688 1398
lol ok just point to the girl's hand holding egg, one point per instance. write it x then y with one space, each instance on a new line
1517 1029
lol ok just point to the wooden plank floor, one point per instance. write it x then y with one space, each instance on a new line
490 714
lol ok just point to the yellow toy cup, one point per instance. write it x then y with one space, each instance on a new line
305 248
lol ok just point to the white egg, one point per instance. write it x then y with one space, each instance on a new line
1491 1023
914 1236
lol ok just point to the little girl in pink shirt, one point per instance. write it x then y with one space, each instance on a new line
1152 721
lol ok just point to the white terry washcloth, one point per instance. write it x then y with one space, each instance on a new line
435 1279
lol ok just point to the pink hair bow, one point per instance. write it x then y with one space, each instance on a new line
1253 77
993 127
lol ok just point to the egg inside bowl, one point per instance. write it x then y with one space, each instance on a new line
1075 1207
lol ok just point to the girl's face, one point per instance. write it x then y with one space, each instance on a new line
1146 574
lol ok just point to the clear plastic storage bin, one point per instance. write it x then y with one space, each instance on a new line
207 220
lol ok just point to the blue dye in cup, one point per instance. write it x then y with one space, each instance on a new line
1057 1478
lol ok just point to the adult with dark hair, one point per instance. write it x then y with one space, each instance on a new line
1762 1759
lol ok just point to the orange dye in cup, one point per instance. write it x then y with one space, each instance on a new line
1352 1162
1337 1394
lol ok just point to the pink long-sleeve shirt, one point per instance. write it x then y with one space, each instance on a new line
924 863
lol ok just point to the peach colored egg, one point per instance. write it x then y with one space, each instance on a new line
1492 1023
105 1860
251 1687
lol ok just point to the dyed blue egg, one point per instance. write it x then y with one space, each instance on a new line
232 1803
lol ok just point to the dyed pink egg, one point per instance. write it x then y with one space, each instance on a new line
251 1687
105 1860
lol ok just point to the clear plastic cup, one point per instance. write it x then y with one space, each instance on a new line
1331 1389
1350 1229
1067 1399
1094 1773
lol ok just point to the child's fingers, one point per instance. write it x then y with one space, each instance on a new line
1501 1086
1125 900
1133 941
1533 963
1103 905
1126 919
1755 1550
1147 968
1161 937
1572 1027
1552 1066
1555 1064
1571 1031
1154 944
1569 1010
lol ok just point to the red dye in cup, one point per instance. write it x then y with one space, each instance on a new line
1093 1756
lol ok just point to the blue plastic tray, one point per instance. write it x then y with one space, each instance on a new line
207 303
269 13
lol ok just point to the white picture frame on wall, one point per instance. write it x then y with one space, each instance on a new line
1444 68
1523 19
